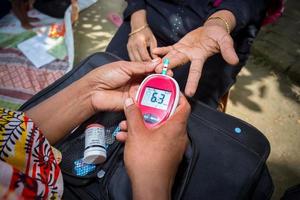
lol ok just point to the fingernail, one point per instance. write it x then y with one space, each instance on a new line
128 102
155 60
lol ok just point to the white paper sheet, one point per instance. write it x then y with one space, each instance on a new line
35 49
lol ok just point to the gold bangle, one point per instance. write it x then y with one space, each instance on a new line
138 30
224 20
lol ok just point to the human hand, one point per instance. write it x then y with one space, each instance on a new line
104 88
139 42
197 46
111 84
152 155
20 9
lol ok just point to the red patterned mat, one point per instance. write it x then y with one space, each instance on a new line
20 80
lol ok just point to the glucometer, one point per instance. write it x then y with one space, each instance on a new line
158 97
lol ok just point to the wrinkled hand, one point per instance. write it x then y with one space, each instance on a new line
197 46
20 9
139 42
113 83
152 155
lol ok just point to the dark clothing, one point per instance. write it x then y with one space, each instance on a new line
53 8
5 8
170 20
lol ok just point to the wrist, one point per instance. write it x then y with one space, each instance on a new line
223 18
85 93
151 188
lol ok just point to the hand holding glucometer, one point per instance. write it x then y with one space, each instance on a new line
157 97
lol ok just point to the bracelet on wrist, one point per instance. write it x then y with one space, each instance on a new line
138 30
223 20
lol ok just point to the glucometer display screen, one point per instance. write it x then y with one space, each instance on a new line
156 98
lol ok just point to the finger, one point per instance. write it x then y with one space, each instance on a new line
113 103
136 54
122 136
162 50
153 44
159 68
140 68
129 49
123 125
194 76
176 59
227 50
143 52
135 121
170 73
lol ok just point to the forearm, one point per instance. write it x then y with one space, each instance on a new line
245 11
62 112
138 19
132 7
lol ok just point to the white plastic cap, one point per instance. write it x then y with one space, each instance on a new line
94 155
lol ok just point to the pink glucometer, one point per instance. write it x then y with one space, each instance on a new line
157 97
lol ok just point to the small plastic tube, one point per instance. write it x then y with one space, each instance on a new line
94 152
166 63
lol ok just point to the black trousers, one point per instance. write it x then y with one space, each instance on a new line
5 7
53 8
217 75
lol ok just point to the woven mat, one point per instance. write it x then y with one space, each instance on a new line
20 80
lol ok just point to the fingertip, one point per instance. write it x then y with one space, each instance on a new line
154 62
170 73
184 103
122 136
236 59
154 50
189 92
123 125
231 58
158 69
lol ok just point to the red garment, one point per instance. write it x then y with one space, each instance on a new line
28 169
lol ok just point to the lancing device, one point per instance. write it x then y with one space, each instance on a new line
158 97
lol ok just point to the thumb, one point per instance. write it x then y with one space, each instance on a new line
227 51
135 121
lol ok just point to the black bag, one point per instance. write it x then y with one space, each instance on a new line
292 193
226 158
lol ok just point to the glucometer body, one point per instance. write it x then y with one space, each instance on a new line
157 98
